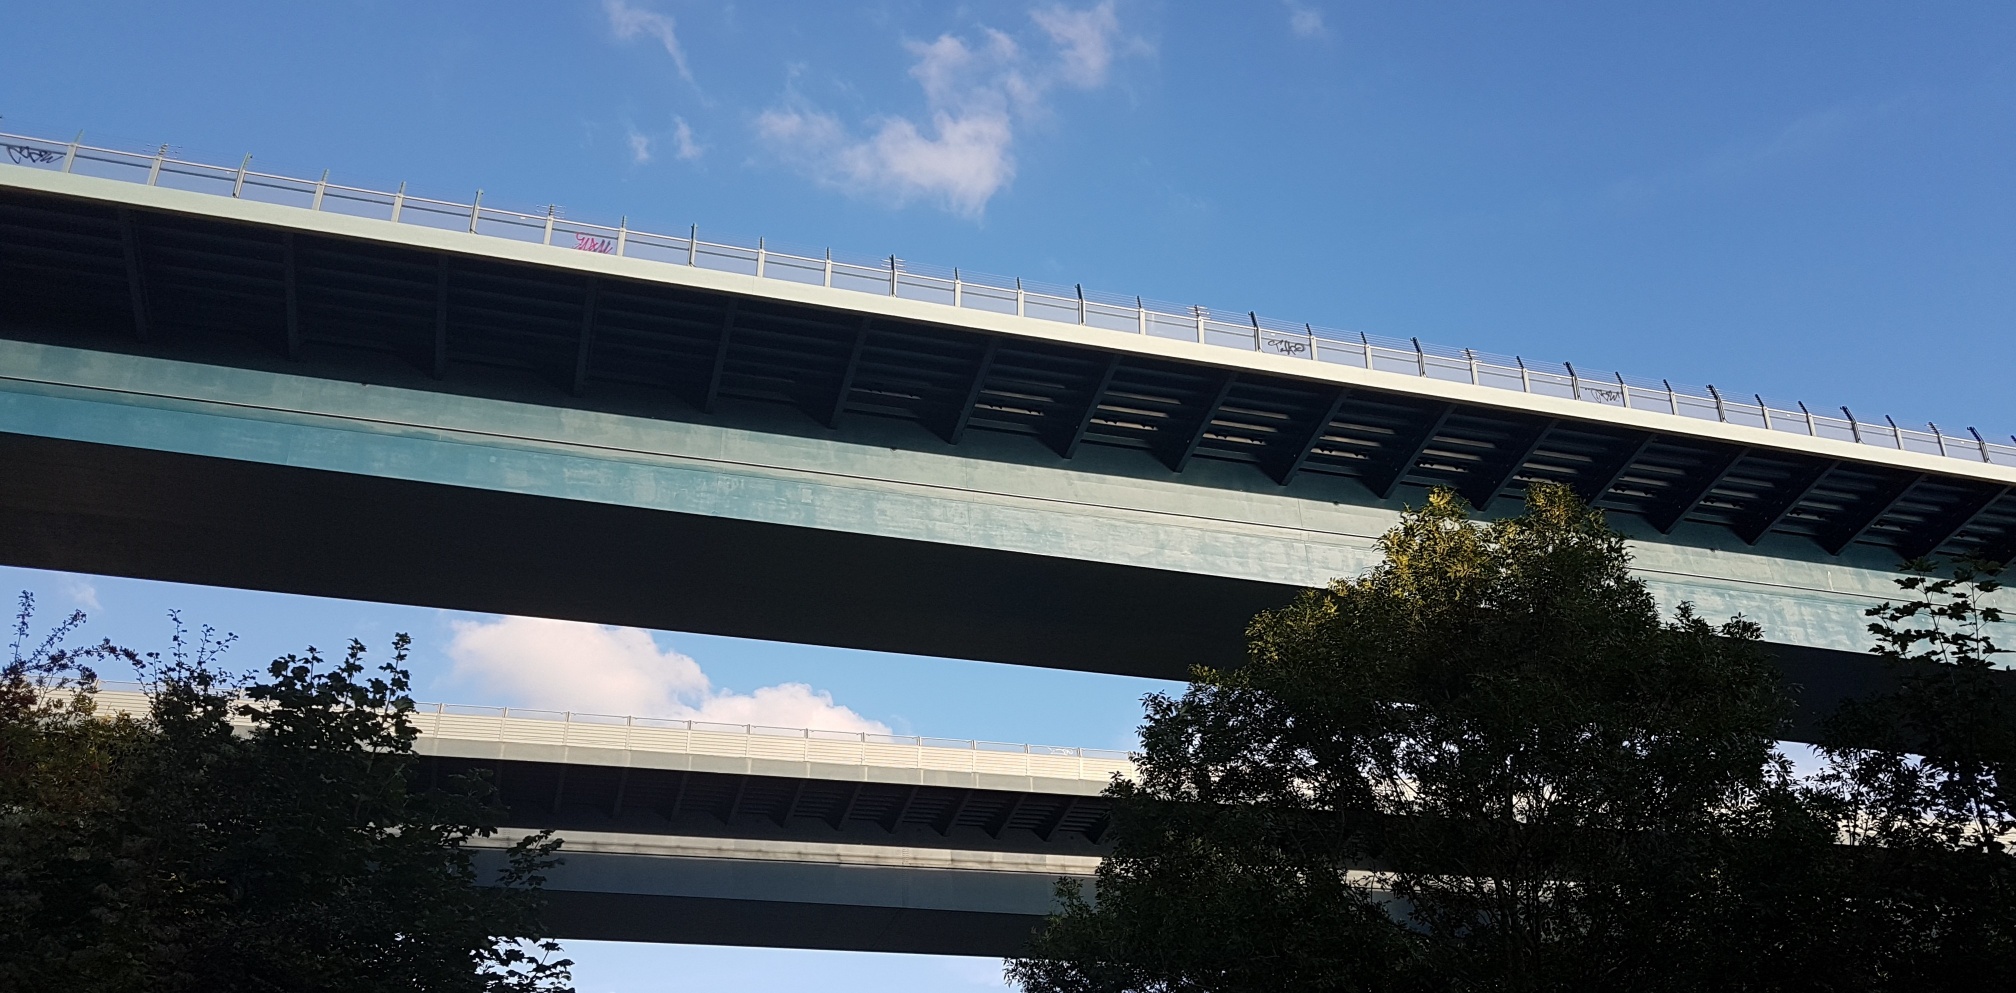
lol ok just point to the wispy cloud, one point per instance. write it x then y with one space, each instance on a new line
683 145
976 90
1305 21
629 22
594 668
82 593
640 146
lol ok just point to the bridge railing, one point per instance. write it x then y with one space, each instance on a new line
904 279
566 729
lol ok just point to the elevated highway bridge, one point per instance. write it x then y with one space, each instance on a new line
691 832
219 376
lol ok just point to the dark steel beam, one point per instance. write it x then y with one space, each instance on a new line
1687 498
790 808
1299 455
902 810
2002 550
622 781
735 802
678 795
1943 528
439 367
289 275
1857 523
999 823
1484 489
963 414
713 391
1602 477
1178 455
951 819
846 809
846 386
1067 443
578 383
1056 820
1781 505
1407 450
136 280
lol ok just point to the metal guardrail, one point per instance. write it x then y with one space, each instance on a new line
895 277
511 725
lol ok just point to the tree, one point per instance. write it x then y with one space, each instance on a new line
1487 764
264 836
1922 779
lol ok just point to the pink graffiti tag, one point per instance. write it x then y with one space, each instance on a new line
590 243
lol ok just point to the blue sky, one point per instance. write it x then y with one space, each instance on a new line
1809 200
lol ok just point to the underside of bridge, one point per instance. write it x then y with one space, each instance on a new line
99 276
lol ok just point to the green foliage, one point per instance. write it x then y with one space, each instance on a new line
1487 764
266 836
1923 782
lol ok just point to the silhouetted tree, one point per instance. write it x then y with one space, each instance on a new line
1488 764
264 836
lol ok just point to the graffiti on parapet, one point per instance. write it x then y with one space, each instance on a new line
1286 347
590 243
28 154
1606 396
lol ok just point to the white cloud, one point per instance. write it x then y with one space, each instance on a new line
81 593
682 141
1085 39
599 669
640 146
1305 21
961 152
629 22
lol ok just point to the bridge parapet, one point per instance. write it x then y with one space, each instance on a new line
1093 310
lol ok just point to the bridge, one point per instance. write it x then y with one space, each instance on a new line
686 831
223 376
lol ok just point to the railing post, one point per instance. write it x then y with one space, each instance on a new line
1720 413
693 246
1081 302
957 286
1763 410
70 156
1978 440
1141 315
1255 320
1624 388
622 234
1312 341
547 237
1472 357
1574 381
475 211
762 256
1367 342
1199 313
1420 358
238 185
154 174
1812 429
892 276
1895 432
321 187
829 268
1938 437
1672 398
398 201
1525 374
1021 299
1854 429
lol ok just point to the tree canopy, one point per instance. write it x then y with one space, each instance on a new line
1489 763
264 836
